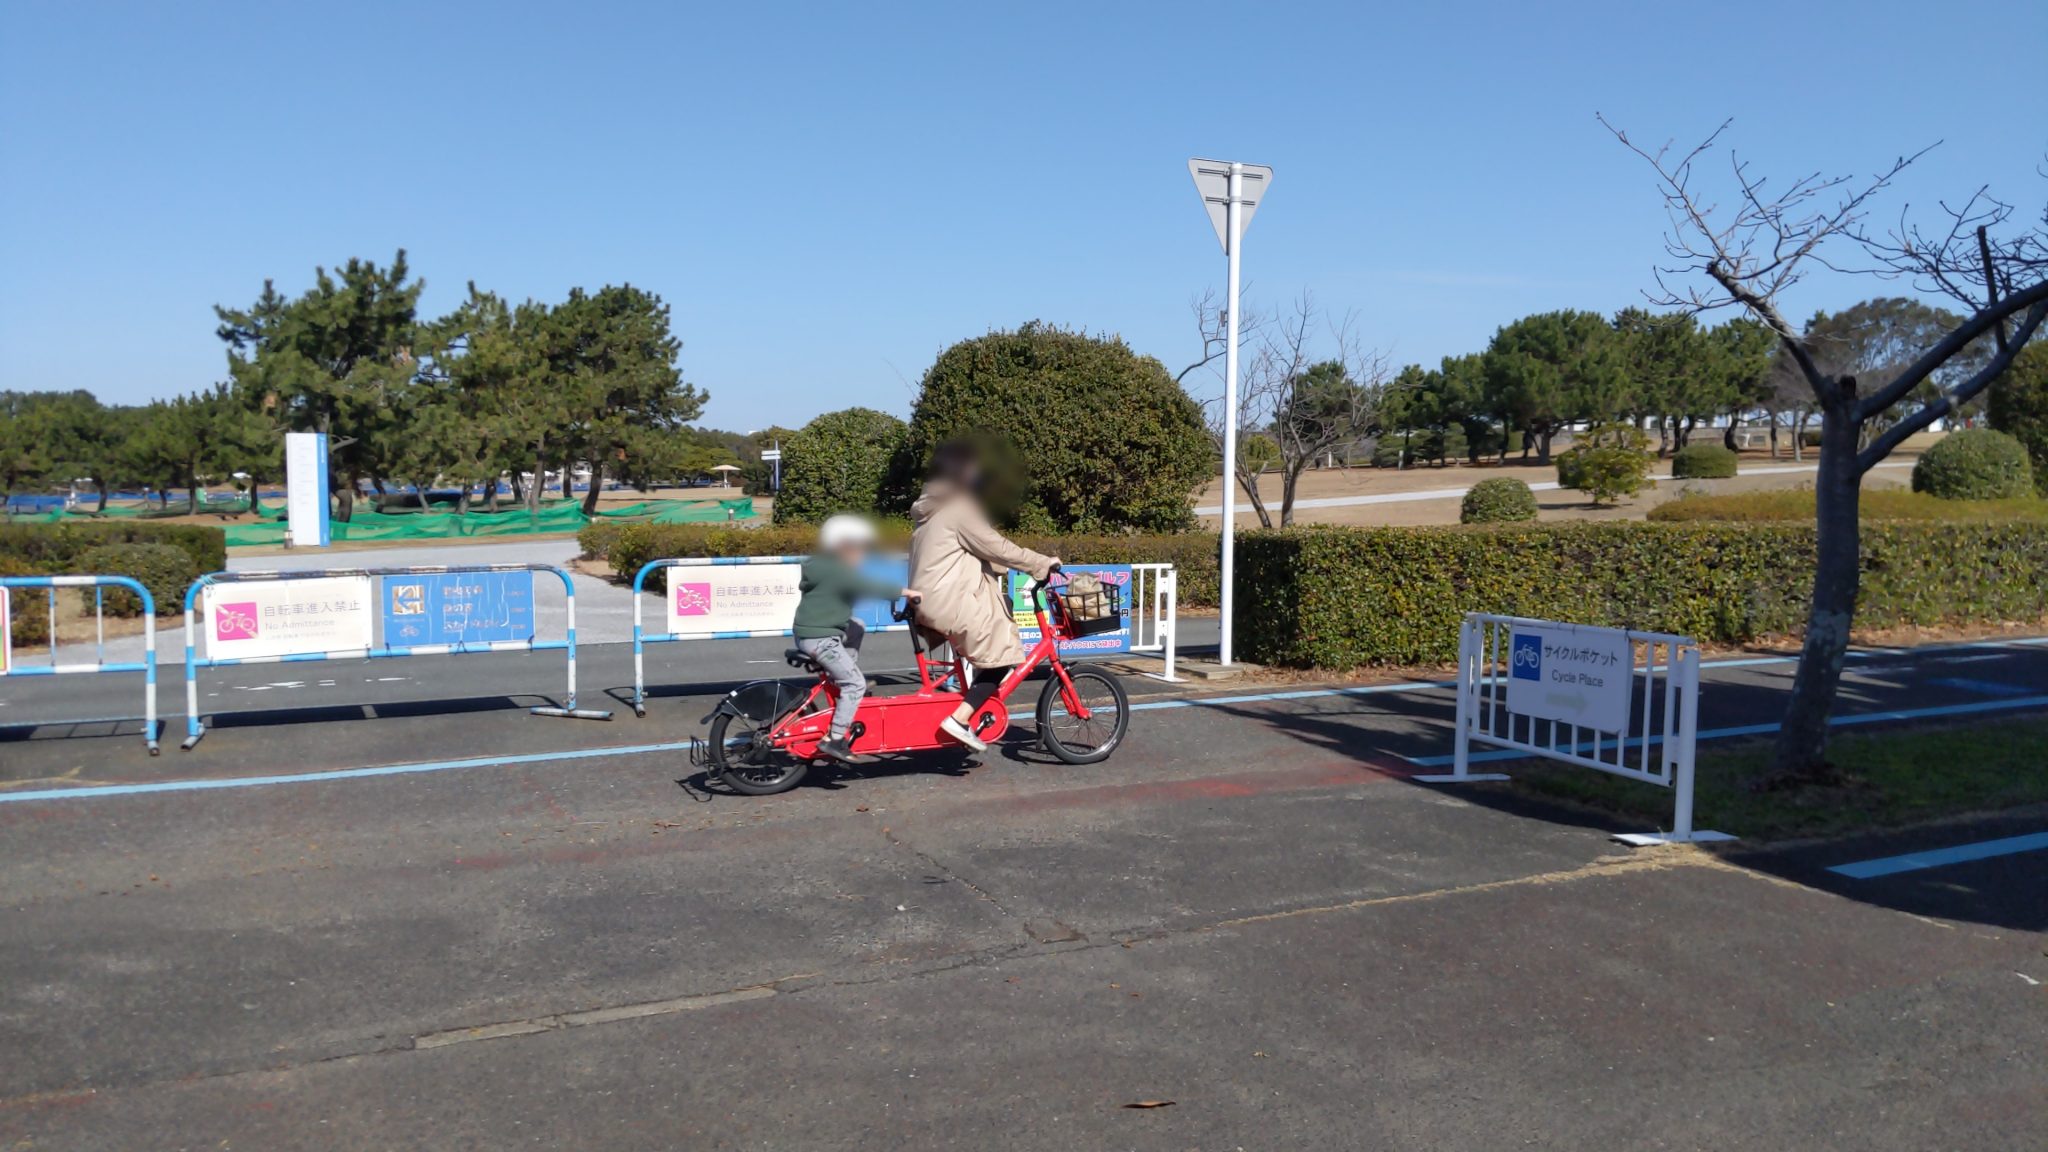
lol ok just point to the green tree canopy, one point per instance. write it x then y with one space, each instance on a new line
845 461
1553 368
2019 406
1106 439
337 359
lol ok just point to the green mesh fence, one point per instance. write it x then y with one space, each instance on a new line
554 517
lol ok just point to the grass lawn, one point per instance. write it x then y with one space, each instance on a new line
1896 776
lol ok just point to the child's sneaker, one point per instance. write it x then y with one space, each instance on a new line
838 749
960 732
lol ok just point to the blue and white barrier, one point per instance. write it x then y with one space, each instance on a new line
283 624
10 664
771 598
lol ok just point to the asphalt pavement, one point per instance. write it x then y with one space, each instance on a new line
369 912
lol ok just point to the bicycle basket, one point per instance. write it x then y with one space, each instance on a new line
1092 606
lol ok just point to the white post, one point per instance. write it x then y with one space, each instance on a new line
1232 227
1471 656
1170 619
1688 672
1461 749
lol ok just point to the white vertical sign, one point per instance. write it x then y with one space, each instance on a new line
305 490
6 633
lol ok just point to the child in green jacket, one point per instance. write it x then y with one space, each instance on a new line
825 629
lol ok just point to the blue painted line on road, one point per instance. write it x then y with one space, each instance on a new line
1982 687
1942 857
337 774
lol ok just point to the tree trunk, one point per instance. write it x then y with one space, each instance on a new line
101 486
540 479
1249 481
1289 479
1728 440
1803 738
192 490
1543 448
346 494
596 482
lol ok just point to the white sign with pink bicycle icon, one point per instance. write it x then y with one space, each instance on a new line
705 598
248 619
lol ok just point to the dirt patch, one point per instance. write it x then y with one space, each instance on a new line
1552 505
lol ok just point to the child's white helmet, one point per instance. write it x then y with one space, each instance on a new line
846 531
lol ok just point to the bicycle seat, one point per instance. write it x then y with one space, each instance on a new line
798 660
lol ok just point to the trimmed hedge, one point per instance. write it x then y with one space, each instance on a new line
166 571
1499 500
1796 504
1703 462
1344 597
1975 464
58 548
1194 554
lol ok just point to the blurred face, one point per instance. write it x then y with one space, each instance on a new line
851 555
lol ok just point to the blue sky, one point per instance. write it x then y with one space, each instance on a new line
827 195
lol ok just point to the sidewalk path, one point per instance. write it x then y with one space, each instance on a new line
1459 492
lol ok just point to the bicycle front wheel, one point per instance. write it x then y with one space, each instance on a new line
1079 739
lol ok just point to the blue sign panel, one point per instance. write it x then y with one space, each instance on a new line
1528 657
874 614
457 608
1101 643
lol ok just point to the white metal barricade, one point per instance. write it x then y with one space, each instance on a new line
193 661
12 665
1655 742
1155 613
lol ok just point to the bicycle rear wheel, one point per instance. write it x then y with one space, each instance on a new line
1069 736
747 762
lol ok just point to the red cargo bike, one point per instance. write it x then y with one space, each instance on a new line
765 735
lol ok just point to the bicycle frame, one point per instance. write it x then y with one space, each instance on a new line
909 722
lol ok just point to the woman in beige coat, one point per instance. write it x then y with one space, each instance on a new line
957 563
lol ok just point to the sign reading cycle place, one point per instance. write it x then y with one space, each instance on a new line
1572 675
288 617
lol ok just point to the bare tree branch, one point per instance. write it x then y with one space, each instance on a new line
1962 393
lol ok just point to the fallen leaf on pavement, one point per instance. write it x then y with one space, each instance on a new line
1152 1104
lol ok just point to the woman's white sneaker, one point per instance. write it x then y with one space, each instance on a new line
960 732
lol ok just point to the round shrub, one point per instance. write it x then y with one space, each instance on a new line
1100 439
1498 500
842 461
1606 462
166 571
1703 462
1975 464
